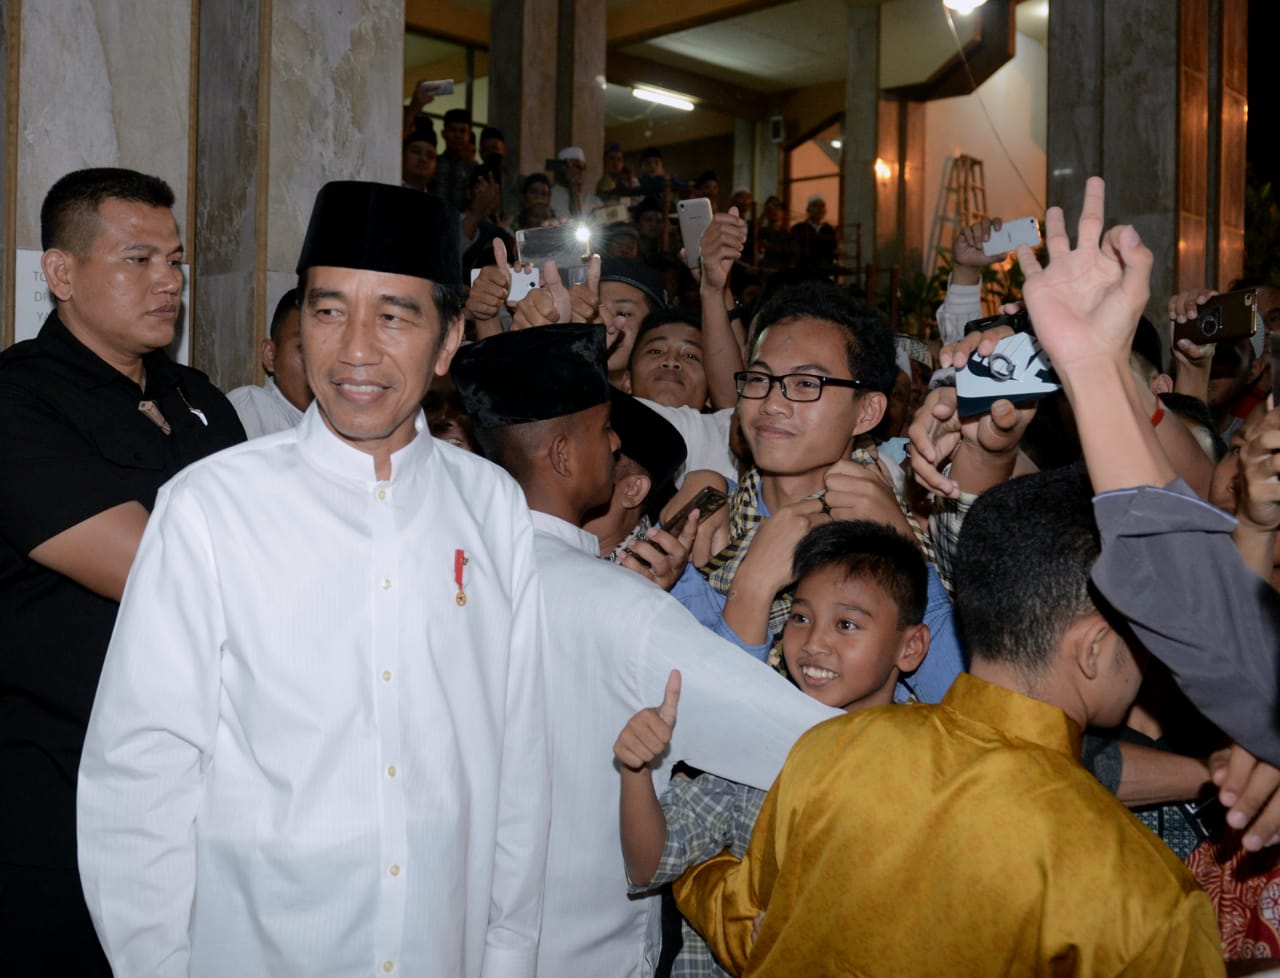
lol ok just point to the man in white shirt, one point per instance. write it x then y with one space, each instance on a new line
278 404
542 407
568 199
318 746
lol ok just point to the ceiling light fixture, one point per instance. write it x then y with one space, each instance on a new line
663 98
963 6
836 144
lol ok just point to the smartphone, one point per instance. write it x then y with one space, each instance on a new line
443 86
1020 322
695 217
568 245
1225 317
706 502
1022 230
522 283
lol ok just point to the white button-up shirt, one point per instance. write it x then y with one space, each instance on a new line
614 639
263 410
308 754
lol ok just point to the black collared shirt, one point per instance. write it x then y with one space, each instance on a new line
73 444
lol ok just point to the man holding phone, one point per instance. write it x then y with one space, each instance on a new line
453 169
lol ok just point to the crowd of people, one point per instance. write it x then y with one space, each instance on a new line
631 215
659 620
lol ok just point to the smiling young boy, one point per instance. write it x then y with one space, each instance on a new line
855 626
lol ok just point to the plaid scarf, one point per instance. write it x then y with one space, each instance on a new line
745 519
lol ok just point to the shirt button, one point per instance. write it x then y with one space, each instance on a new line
386 584
395 870
386 675
388 966
382 494
391 771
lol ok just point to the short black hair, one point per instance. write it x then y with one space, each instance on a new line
492 132
1022 567
705 177
533 178
862 549
868 337
646 205
69 214
457 115
287 303
663 317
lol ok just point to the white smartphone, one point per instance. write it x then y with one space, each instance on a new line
443 86
695 217
522 283
1022 230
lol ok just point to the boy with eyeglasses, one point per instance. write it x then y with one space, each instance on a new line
820 369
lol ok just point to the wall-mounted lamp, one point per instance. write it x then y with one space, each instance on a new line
883 170
663 98
836 143
963 6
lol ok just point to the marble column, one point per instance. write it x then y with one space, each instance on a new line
98 83
293 94
580 81
522 83
1131 83
862 132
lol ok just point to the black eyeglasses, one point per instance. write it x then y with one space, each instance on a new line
756 385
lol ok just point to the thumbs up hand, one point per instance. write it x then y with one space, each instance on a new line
645 737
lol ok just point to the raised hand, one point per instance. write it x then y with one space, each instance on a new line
968 255
663 557
979 342
645 737
1260 473
584 300
934 434
548 304
721 245
863 492
1085 303
489 291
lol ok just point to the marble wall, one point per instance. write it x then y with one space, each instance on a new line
320 83
84 102
108 82
336 74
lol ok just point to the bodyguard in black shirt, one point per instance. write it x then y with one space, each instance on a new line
94 418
